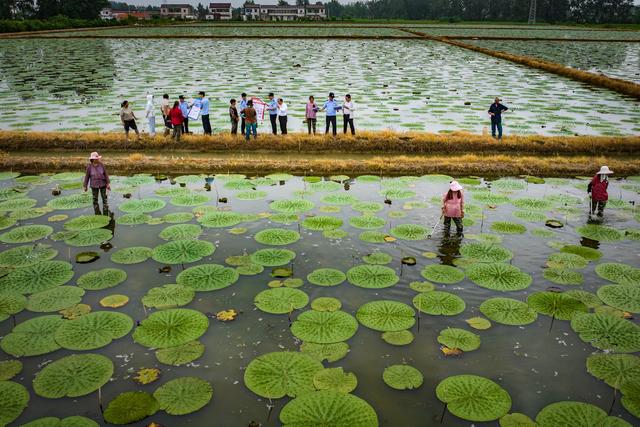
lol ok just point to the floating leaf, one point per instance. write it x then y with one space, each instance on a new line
277 237
328 408
619 273
207 277
171 327
558 305
367 222
177 217
184 395
226 315
326 304
87 222
25 256
574 414
506 227
499 277
607 332
587 298
508 311
181 232
132 255
379 258
459 338
532 204
54 299
402 377
134 219
329 352
9 369
479 323
566 260
614 369
14 398
410 232
93 330
181 354
283 373
147 375
600 233
11 303
102 279
622 297
190 199
26 233
367 207
142 205
473 398
485 252
272 257
168 296
386 316
114 301
281 300
129 407
563 276
87 257
73 376
182 251
88 237
442 274
322 223
72 201
38 277
398 337
75 311
335 379
292 206
324 327
326 277
439 303
374 237
372 276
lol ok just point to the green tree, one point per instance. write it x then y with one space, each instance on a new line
202 11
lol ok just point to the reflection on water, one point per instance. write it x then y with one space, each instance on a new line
535 366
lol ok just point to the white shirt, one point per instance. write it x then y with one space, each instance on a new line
282 109
348 108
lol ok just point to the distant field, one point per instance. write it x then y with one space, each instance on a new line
556 33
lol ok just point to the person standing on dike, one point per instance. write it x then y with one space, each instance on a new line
495 111
97 178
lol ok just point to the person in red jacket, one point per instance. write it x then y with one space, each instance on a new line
597 189
176 118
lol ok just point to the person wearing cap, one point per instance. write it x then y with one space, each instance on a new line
242 106
272 108
184 108
453 207
128 119
331 107
495 111
347 114
97 178
150 114
597 189
282 116
203 103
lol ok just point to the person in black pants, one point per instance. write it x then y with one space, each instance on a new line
347 114
243 105
282 116
331 107
184 107
272 108
495 111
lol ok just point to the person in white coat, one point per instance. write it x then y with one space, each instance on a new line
282 111
347 114
150 114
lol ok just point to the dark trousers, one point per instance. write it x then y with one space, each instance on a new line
274 127
347 120
598 205
242 126
496 124
311 125
167 125
206 124
105 203
331 120
283 124
457 221
185 126
234 127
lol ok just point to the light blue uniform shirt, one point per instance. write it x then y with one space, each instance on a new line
204 106
273 107
331 107
243 105
184 108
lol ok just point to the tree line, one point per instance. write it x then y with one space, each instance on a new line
46 9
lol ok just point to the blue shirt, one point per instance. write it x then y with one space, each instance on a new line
243 105
184 108
331 106
273 107
203 104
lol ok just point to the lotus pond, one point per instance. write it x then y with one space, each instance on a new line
419 85
552 33
301 300
613 59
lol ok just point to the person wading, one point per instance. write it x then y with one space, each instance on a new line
97 178
597 190
453 207
495 111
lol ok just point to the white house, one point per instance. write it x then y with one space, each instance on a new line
220 12
179 11
255 12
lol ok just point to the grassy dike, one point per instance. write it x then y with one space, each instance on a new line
385 152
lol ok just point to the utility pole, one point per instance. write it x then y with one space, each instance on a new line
532 12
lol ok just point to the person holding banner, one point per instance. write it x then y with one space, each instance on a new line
251 119
272 108
282 116
243 105
184 107
331 107
202 103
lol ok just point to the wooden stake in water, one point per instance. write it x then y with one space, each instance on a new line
553 318
419 311
144 308
100 400
444 411
290 311
613 402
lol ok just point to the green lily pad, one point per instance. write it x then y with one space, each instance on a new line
33 337
329 352
272 257
324 327
614 369
321 223
600 233
583 251
182 251
439 303
485 252
499 277
558 305
277 237
531 204
134 219
220 219
178 217
326 277
168 296
73 376
473 398
9 369
563 276
292 206
281 300
87 237
367 222
566 260
443 274
190 199
326 304
132 255
102 279
607 332
372 276
328 408
379 258
335 379
506 227
398 337
184 395
25 256
207 277
576 414
622 297
54 299
14 399
386 316
72 201
508 311
459 338
26 233
283 373
180 354
93 330
11 303
87 222
129 407
181 232
142 205
37 277
622 274
402 377
410 232
171 327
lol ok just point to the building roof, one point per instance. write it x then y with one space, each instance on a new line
176 5
219 5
